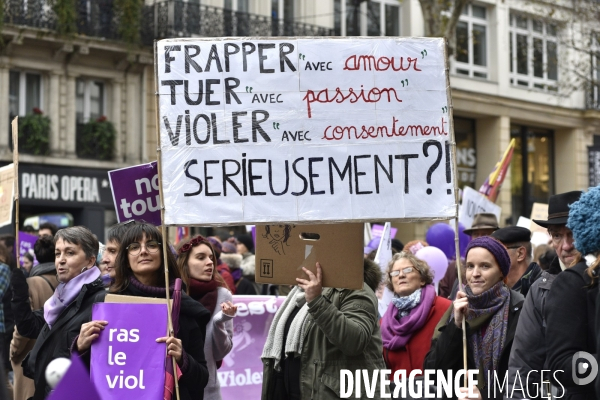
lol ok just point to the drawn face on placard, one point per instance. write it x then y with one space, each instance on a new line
201 263
278 236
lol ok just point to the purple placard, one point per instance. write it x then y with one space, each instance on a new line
26 243
127 363
377 231
240 375
75 384
135 193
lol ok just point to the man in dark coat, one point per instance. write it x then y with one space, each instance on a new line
522 272
530 348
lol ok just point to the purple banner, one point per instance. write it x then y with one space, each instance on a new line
377 231
127 363
26 243
135 193
240 375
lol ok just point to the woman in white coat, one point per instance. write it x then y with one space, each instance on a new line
197 264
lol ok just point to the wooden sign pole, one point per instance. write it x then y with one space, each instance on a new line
15 140
164 229
456 201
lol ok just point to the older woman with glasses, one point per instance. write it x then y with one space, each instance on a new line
57 325
139 271
409 322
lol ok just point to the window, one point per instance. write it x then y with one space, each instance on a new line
236 20
532 176
466 153
533 53
471 43
594 87
283 14
25 93
367 18
89 100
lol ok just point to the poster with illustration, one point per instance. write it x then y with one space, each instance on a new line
240 374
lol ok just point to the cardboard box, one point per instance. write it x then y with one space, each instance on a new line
282 251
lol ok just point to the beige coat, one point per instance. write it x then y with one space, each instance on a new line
39 292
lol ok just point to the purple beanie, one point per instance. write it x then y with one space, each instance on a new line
496 248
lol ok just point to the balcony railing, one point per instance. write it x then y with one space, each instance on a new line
163 19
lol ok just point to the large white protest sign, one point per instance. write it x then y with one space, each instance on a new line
474 203
298 130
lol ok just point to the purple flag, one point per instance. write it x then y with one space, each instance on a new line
240 375
135 193
75 384
127 363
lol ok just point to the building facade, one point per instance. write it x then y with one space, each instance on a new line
511 77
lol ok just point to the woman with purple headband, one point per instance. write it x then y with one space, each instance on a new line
491 311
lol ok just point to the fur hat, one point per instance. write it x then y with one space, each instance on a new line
584 221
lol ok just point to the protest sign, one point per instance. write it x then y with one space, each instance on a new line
75 384
135 193
127 363
7 193
378 231
474 203
240 375
304 130
26 243
539 211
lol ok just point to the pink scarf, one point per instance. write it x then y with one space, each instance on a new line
395 333
65 293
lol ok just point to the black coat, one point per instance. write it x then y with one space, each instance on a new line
529 347
193 318
56 342
570 315
446 351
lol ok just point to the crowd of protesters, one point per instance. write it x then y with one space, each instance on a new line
522 309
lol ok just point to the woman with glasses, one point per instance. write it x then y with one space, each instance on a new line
58 324
139 271
408 324
491 311
197 263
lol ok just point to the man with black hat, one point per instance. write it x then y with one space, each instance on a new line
529 350
523 272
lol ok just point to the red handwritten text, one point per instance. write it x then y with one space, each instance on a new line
372 96
370 132
368 63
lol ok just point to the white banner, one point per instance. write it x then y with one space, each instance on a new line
473 203
301 130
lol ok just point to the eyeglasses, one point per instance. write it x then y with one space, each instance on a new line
152 246
405 271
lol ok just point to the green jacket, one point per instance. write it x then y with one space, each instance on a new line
342 333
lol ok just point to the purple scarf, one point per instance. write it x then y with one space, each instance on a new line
65 293
395 333
492 308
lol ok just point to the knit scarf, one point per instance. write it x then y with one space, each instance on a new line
65 293
405 316
295 337
490 306
205 292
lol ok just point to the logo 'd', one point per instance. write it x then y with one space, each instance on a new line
580 368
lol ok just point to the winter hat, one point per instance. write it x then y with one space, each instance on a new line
496 248
228 247
246 240
584 221
216 246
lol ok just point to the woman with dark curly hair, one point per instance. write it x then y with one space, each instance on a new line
408 324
